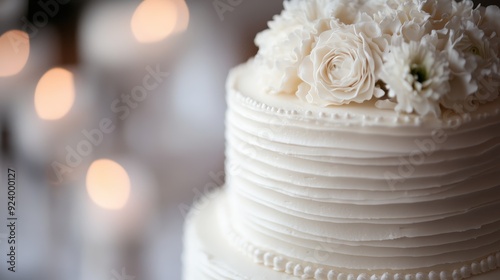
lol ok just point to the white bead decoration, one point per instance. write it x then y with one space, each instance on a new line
362 276
279 264
310 271
332 275
289 267
466 272
491 262
320 274
420 276
258 256
409 277
363 119
484 266
456 275
476 268
268 259
386 276
298 270
398 276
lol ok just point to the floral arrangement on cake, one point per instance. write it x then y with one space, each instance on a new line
413 56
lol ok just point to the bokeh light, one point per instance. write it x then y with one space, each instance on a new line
154 20
14 52
182 16
108 184
55 94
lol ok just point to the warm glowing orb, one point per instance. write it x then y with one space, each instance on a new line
182 17
154 20
55 94
14 52
108 184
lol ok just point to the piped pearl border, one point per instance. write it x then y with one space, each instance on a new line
312 271
349 118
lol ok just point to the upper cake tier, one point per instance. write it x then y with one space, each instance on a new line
361 190
364 139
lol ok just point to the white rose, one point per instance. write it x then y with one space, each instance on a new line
287 41
290 36
347 11
298 16
279 72
343 66
416 75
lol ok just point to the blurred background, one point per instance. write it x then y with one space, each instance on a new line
112 120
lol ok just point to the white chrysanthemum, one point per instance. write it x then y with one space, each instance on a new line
463 10
477 42
439 11
416 75
462 63
373 7
473 56
486 46
403 18
343 66
489 19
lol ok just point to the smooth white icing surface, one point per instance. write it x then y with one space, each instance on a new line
355 189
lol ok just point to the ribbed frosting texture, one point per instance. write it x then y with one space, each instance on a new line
360 189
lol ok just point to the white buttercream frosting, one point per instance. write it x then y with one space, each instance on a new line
350 191
213 251
357 188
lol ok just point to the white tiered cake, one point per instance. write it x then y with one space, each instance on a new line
363 143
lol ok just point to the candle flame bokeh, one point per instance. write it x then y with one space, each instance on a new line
14 52
154 20
108 184
182 16
55 94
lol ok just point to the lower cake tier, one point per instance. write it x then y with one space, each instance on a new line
207 252
213 251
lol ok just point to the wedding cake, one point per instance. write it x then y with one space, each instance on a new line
363 143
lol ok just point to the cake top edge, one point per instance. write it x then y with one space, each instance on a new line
243 90
414 57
